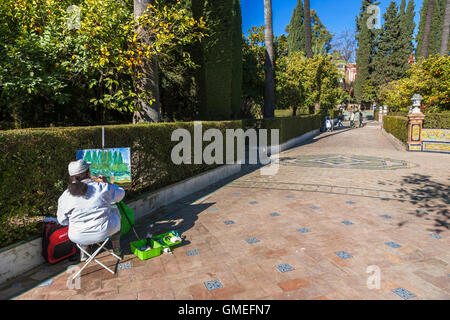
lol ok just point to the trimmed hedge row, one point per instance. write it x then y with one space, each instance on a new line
397 126
33 163
437 121
290 127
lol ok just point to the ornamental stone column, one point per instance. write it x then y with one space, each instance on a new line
416 118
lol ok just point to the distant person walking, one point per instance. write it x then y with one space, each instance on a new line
360 119
340 119
352 119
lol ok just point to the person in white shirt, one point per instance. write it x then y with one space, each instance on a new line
86 207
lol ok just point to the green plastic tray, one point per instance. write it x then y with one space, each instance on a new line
145 255
157 243
160 239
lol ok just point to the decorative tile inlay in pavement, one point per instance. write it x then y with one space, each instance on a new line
304 230
347 162
403 293
284 268
343 255
315 208
125 265
253 202
350 202
386 216
347 223
275 214
252 240
393 245
191 253
436 236
229 222
213 285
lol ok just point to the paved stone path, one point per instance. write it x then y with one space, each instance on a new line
343 206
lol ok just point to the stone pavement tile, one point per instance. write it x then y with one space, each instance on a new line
100 294
199 292
293 285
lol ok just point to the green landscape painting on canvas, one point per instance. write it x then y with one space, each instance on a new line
113 163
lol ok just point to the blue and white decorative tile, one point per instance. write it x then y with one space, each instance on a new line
314 208
213 285
343 255
436 236
403 293
47 283
253 202
290 197
304 230
191 253
284 268
275 214
347 223
350 202
386 216
236 194
213 209
393 245
252 240
229 222
125 265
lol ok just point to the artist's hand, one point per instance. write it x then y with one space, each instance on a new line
101 178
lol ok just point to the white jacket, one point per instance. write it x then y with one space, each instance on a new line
91 218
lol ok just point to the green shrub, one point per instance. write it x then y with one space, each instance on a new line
290 127
437 121
397 126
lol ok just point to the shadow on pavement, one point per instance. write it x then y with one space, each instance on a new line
431 198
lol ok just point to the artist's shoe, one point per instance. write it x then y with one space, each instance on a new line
118 252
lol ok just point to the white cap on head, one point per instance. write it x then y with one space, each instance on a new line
77 167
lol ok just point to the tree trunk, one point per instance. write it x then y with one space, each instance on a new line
269 91
308 30
148 111
427 31
445 30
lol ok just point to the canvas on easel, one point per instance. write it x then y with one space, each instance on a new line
113 163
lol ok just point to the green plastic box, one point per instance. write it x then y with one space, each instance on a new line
145 255
164 239
158 244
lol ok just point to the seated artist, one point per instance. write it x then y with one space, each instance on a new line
86 207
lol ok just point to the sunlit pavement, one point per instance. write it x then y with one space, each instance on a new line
346 212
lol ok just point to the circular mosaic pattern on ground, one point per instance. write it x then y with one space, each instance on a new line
347 162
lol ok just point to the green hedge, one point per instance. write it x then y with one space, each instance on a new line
437 121
290 127
397 126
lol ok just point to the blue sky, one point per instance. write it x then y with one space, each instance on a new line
336 15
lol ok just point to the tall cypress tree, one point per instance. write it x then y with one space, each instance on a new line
296 28
366 46
435 28
423 18
216 58
389 59
237 73
407 26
